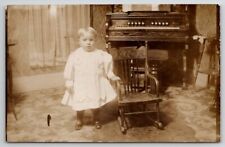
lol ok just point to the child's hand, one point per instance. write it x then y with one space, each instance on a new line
114 78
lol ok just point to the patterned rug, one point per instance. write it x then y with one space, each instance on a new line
184 113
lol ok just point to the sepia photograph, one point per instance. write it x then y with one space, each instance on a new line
112 73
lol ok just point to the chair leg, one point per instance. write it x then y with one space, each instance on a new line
122 121
128 122
158 123
157 109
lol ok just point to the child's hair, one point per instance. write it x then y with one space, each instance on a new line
90 30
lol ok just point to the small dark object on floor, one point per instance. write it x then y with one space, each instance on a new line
48 119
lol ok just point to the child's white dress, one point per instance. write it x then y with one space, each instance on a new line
88 74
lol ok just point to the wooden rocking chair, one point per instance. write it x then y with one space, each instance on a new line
137 91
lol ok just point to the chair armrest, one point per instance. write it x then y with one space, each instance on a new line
156 83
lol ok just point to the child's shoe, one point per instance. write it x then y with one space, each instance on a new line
98 125
78 125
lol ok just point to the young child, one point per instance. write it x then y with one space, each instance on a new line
87 74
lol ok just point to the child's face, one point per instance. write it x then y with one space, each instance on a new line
87 42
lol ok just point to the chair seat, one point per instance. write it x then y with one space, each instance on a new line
139 98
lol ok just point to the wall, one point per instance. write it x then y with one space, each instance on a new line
206 20
37 82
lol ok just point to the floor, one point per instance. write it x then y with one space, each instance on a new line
186 115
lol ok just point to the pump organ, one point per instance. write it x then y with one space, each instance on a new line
149 27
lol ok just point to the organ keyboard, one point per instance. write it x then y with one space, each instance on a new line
143 28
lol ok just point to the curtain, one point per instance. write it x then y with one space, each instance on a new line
52 32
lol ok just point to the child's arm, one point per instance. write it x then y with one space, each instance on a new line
109 68
68 74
